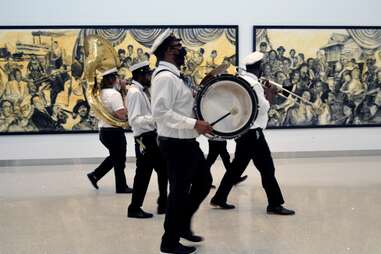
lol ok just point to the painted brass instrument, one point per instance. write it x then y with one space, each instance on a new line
267 83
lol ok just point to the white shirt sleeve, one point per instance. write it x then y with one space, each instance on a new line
262 101
164 96
116 102
136 115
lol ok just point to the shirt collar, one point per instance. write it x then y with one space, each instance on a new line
250 75
170 66
137 84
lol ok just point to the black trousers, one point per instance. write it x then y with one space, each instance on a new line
115 141
147 159
189 184
252 146
218 148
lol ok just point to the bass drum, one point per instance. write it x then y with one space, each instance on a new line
223 94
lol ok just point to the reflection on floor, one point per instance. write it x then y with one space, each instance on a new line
54 209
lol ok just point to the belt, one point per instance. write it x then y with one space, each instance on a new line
161 138
257 131
148 133
111 128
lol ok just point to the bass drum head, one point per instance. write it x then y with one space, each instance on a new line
223 94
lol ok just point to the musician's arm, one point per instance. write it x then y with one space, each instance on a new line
121 114
118 108
134 104
262 96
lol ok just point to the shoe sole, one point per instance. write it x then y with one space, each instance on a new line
135 217
222 208
191 242
216 207
274 213
161 252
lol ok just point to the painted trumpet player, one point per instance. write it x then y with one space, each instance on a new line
325 76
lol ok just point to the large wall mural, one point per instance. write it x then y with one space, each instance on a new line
41 85
336 70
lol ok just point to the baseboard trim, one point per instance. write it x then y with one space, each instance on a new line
61 161
317 154
276 155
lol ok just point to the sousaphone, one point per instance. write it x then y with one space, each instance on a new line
99 57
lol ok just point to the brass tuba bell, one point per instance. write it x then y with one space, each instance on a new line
99 57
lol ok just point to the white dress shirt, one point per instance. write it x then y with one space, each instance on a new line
263 103
139 110
112 101
172 103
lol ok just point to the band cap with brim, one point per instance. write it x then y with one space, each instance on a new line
253 58
109 71
139 65
159 40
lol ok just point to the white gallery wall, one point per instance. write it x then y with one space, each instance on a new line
244 13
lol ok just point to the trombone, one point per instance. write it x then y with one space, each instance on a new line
267 83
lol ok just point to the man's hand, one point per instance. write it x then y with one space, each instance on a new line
203 127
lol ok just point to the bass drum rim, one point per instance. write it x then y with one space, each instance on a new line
217 135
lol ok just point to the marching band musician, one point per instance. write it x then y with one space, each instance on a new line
189 176
147 151
253 146
112 137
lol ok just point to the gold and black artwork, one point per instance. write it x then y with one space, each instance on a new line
42 84
336 72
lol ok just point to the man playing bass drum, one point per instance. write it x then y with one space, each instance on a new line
253 146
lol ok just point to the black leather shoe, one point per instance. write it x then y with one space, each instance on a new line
280 210
139 214
192 237
179 249
93 180
222 205
161 210
240 180
126 190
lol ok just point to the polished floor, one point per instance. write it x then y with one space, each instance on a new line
54 210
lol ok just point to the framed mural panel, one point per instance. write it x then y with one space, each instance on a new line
41 68
336 70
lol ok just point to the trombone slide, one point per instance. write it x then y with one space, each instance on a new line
278 86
